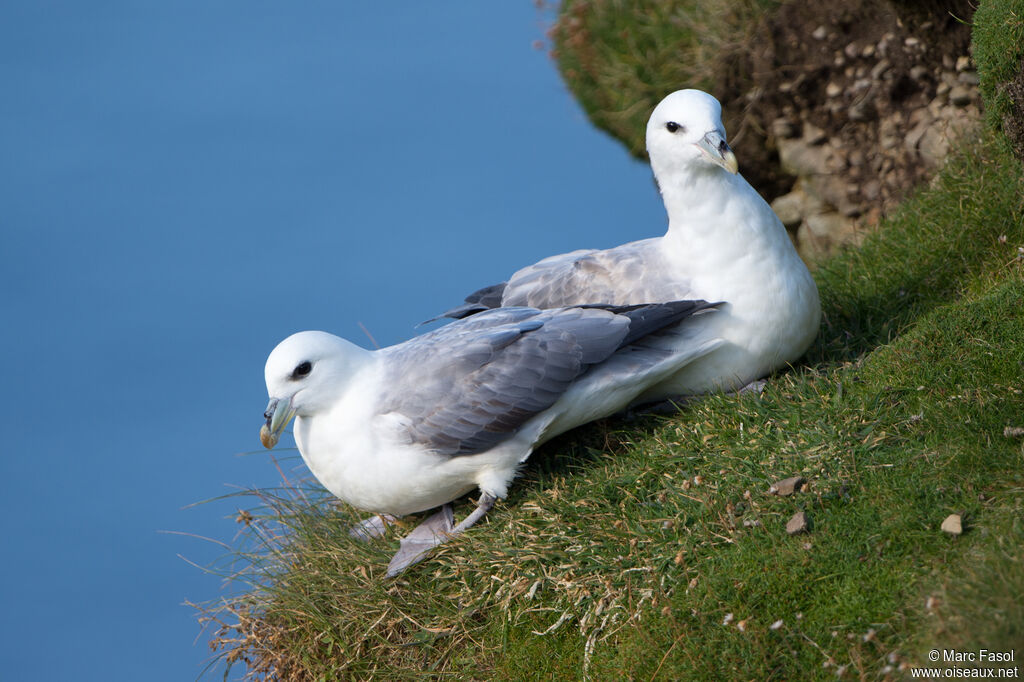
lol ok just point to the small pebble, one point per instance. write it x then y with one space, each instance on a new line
798 524
960 96
783 128
813 135
880 68
953 525
787 486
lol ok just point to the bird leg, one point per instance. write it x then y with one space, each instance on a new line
483 505
435 530
754 387
372 528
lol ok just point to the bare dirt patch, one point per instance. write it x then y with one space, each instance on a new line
846 106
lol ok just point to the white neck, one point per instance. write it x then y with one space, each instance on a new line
719 215
683 193
698 198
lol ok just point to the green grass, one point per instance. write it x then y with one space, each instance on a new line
979 607
625 545
621 57
955 236
998 51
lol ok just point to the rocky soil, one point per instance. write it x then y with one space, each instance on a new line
841 186
850 108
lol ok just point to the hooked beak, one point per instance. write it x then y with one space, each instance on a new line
279 412
718 152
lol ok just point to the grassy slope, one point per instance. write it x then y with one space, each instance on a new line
609 546
888 461
999 54
620 57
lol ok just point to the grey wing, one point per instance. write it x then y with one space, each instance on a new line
468 386
629 274
477 302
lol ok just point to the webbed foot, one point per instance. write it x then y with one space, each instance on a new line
372 528
415 546
435 530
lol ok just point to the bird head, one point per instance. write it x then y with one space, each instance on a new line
304 375
685 131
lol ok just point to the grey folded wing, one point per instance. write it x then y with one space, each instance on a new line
628 274
633 273
466 387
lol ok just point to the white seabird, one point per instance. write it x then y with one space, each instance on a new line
416 425
724 243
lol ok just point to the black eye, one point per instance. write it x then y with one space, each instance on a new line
302 370
672 127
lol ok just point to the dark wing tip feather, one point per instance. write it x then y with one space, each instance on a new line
652 317
477 302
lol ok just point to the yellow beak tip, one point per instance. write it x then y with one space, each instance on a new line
268 438
731 163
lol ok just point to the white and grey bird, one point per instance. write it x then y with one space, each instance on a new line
413 426
724 243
